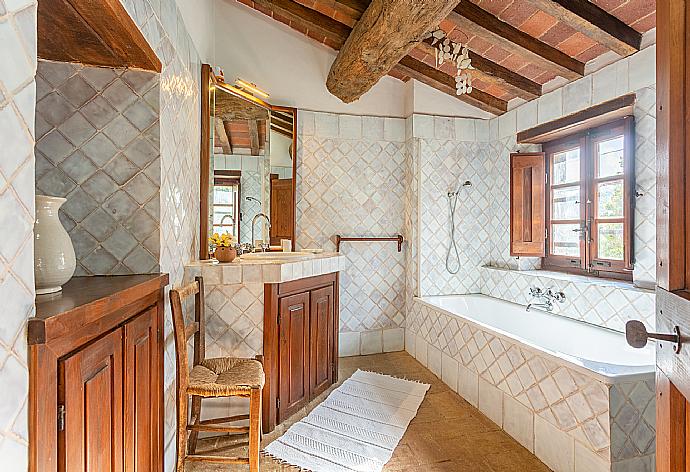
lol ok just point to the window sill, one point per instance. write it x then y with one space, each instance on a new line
562 276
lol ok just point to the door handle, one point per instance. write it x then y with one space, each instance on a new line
637 336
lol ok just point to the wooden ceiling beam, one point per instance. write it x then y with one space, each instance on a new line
439 80
221 137
384 34
280 129
337 32
595 23
228 134
312 20
253 136
474 21
485 70
280 121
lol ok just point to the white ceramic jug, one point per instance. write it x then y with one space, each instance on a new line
54 260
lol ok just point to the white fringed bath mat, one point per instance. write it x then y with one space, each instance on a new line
355 429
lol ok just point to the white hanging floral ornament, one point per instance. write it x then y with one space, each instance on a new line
447 50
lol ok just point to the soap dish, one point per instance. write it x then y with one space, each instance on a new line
313 250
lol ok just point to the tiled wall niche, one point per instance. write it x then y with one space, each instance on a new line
97 145
351 181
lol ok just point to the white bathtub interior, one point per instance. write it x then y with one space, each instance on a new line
602 351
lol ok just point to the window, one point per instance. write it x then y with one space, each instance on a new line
226 202
589 201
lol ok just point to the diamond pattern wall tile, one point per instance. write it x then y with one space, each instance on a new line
86 160
603 303
355 187
17 212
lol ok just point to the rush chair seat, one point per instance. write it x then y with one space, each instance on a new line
211 378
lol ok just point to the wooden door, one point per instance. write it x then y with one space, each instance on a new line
281 210
673 254
321 339
92 394
141 380
293 325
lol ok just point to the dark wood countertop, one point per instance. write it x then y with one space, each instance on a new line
85 300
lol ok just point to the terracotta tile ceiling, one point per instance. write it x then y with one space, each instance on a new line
521 14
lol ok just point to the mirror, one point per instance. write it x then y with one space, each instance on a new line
247 169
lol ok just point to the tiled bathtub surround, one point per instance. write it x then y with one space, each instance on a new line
17 99
601 302
98 145
350 181
570 419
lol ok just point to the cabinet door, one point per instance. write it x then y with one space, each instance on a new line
141 394
321 339
92 394
293 324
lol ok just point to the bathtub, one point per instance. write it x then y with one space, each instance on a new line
574 394
601 351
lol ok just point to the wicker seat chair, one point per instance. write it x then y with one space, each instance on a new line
215 377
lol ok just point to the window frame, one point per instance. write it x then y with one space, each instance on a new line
589 263
229 178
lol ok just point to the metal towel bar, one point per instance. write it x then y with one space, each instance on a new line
339 239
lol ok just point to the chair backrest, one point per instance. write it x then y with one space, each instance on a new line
183 332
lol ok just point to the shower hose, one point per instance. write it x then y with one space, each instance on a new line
452 247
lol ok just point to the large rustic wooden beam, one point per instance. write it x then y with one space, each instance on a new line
220 136
472 20
485 70
439 80
385 33
253 137
228 135
595 23
337 33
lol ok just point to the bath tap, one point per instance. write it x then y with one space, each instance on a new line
547 296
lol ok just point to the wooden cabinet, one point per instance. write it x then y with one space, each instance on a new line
95 393
293 371
91 394
300 344
141 402
321 334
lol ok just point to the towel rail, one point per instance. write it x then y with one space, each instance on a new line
339 239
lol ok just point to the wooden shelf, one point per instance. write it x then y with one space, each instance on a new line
87 300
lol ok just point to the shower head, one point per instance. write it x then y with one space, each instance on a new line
466 183
250 199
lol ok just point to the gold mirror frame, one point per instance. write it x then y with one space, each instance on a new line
209 80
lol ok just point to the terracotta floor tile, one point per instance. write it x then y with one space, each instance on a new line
447 435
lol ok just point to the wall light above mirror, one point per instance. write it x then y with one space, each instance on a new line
247 165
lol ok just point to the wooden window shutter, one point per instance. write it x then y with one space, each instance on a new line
527 204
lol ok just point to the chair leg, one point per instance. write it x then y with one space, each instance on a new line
254 429
196 419
181 431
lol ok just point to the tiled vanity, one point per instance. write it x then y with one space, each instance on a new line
253 307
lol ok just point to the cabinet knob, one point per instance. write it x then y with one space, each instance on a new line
637 336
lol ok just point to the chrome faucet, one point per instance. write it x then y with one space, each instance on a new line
264 246
547 298
222 220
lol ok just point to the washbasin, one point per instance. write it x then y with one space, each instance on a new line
277 256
